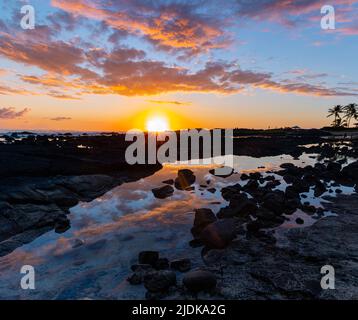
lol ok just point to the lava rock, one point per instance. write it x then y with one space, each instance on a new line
159 281
219 234
244 177
203 217
334 166
274 201
148 257
185 179
163 192
320 188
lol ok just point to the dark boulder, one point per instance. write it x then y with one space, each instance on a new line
148 257
163 192
244 177
334 166
288 178
350 172
203 217
229 192
223 172
185 179
319 189
287 166
240 205
274 201
218 234
251 185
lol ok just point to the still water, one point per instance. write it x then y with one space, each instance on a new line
92 259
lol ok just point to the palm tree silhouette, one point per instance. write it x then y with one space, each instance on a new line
336 113
351 112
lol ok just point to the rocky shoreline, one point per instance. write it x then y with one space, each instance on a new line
42 177
242 257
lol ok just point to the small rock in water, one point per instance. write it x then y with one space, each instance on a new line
300 221
182 265
309 209
212 190
197 281
219 234
185 179
163 192
160 281
244 177
339 191
170 182
203 217
148 257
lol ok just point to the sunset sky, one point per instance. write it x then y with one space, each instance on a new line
104 65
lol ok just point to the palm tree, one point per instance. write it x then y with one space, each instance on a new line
336 113
351 112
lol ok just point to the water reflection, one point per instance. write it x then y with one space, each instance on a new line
93 258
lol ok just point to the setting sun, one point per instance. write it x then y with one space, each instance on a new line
157 124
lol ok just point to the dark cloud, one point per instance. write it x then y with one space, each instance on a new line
61 119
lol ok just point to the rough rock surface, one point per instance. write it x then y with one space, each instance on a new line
254 269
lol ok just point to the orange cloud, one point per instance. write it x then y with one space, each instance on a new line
174 26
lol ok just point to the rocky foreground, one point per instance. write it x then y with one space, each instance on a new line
43 177
242 257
